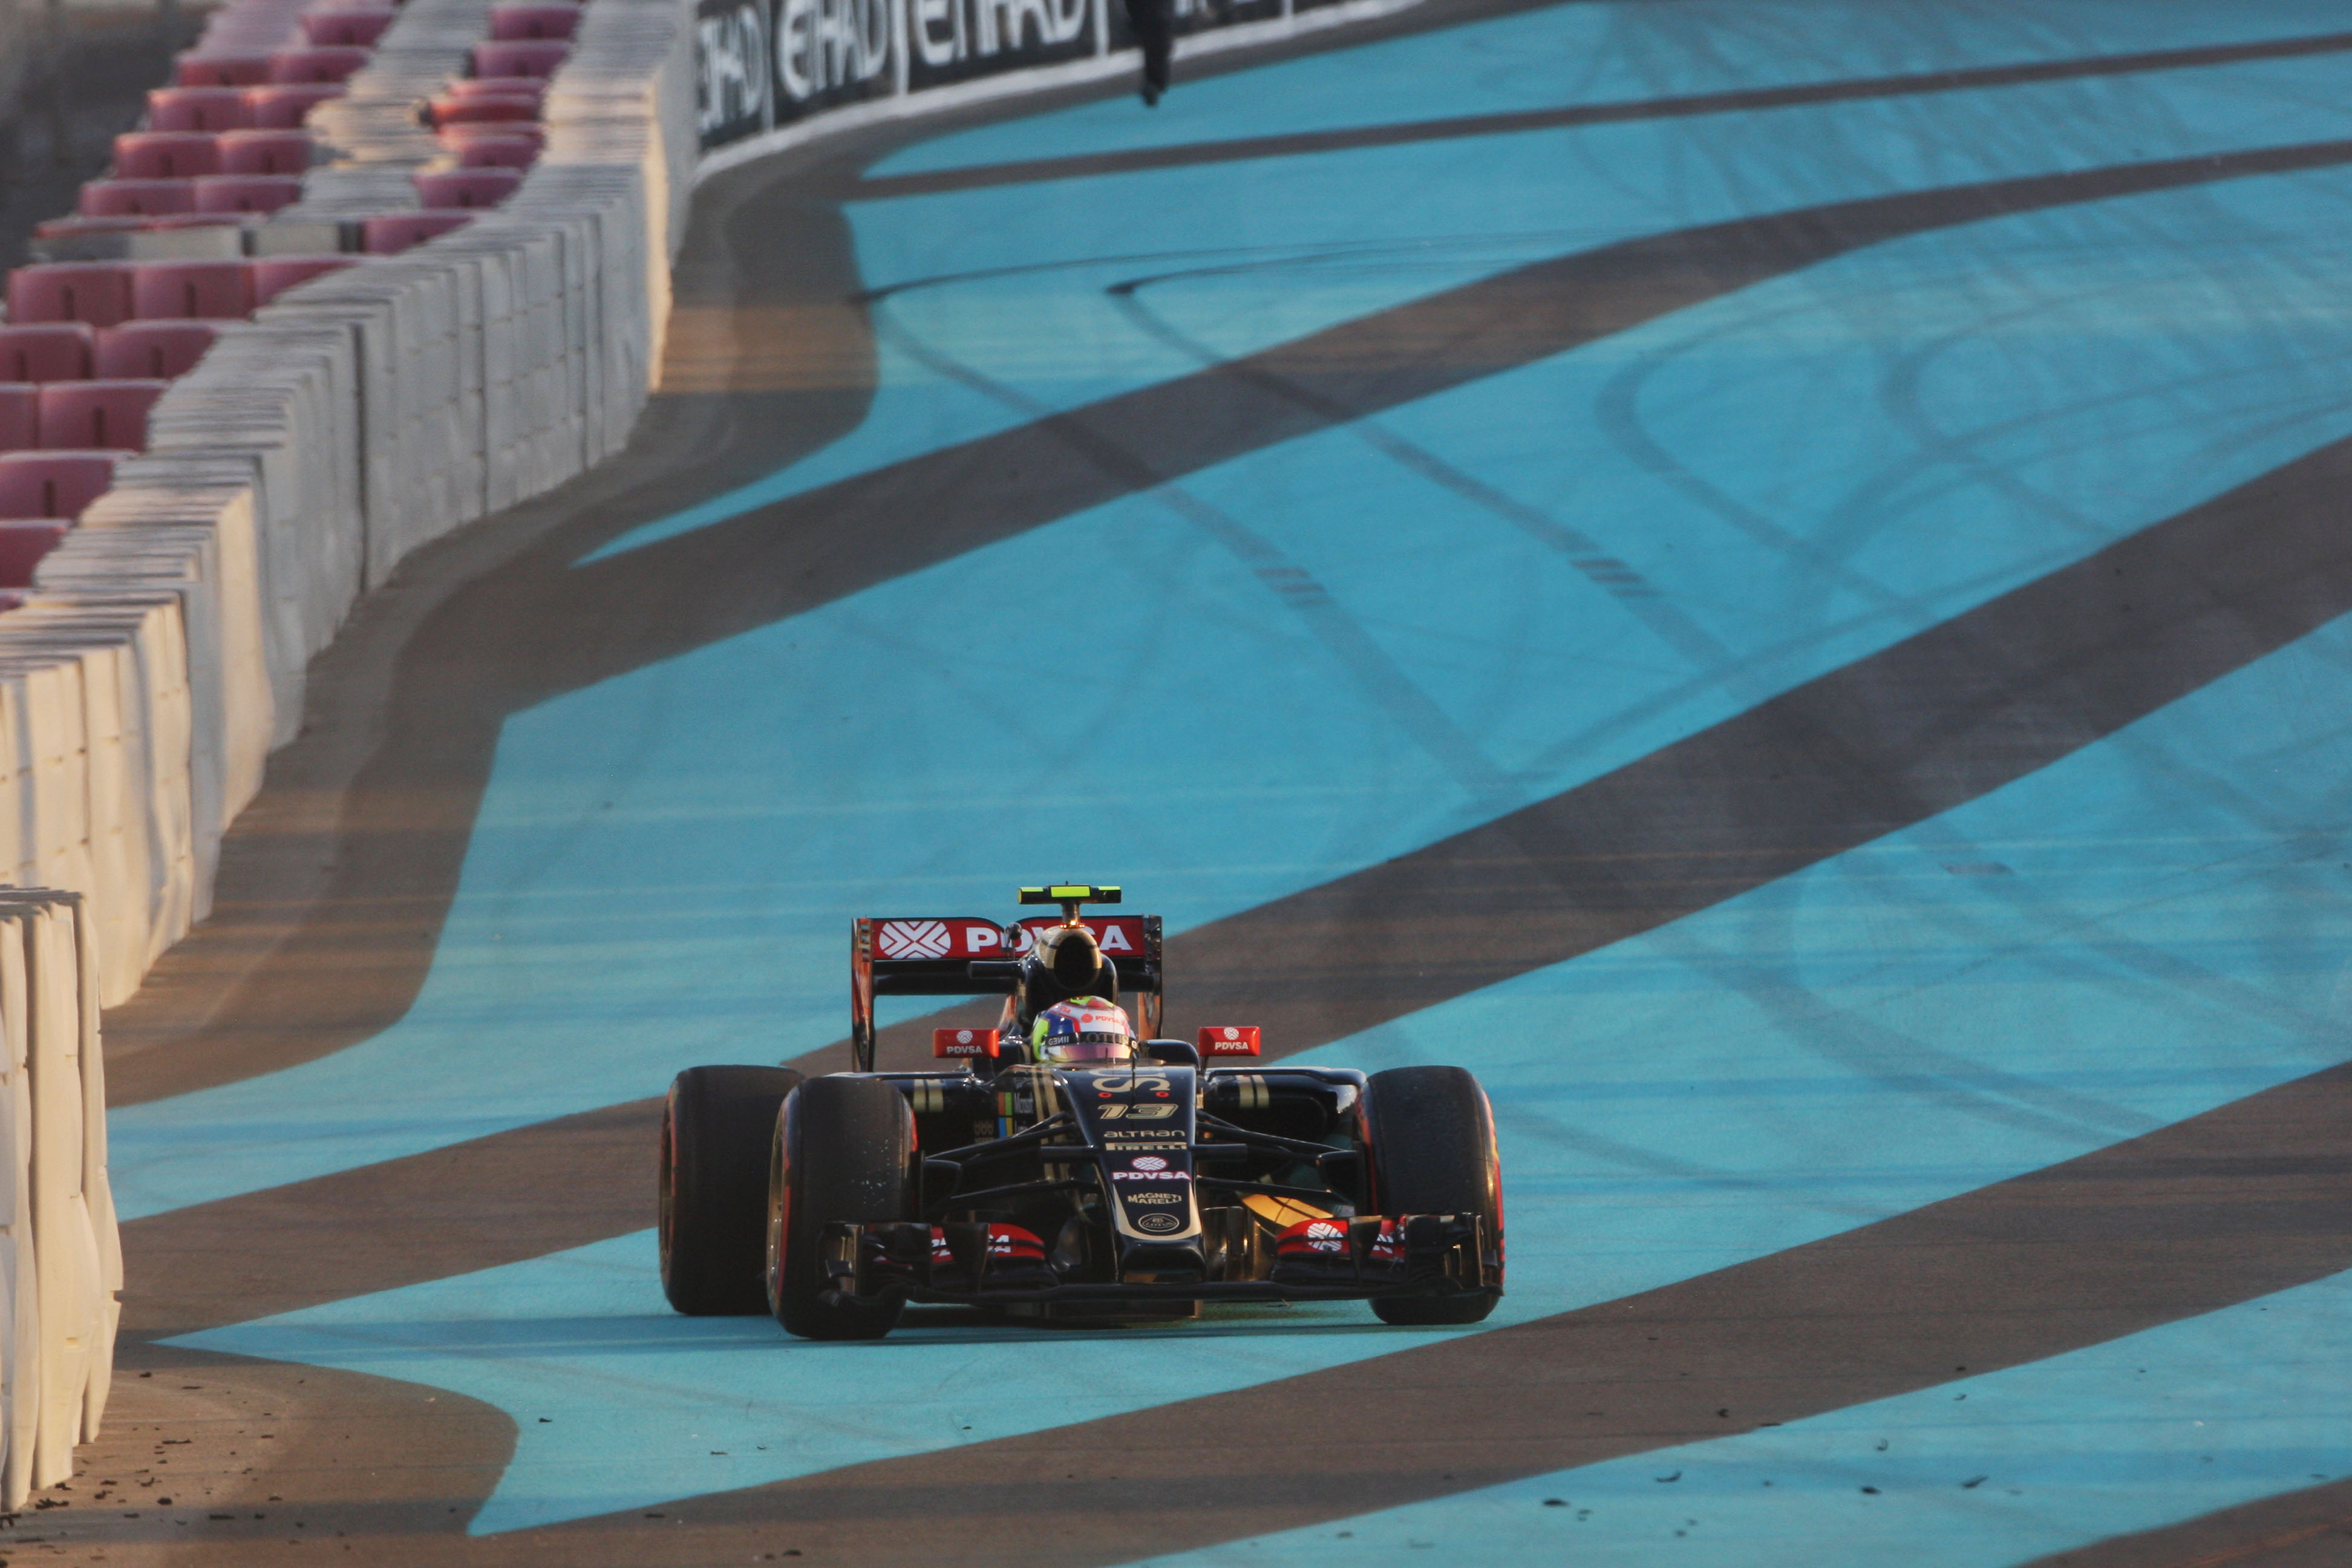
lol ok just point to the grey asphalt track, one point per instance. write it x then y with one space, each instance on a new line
335 885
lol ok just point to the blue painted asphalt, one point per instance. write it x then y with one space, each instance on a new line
1797 475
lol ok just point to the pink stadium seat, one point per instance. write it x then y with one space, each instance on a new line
52 484
98 292
137 198
295 67
396 232
195 69
165 155
198 109
532 87
496 152
192 220
22 545
527 59
74 224
98 415
153 350
453 137
247 193
282 108
512 23
49 351
264 152
191 290
458 111
20 416
273 275
466 187
354 28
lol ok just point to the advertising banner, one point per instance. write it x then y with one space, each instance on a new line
955 40
768 63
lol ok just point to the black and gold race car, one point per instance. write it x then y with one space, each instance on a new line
1066 1165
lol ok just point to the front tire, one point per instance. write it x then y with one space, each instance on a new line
715 1127
1433 1152
843 1150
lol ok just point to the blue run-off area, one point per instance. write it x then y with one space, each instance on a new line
1524 583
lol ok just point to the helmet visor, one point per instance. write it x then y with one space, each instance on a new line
1088 1045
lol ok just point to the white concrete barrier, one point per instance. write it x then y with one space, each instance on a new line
60 1251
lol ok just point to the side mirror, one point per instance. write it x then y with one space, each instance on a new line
1229 1040
963 1043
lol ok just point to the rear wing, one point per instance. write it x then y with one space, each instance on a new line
961 955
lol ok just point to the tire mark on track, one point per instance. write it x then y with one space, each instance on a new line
1929 724
533 626
1301 144
1990 720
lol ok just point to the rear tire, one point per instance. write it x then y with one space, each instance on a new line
1433 1152
716 1129
843 1150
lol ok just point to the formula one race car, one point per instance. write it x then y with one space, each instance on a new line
1062 1167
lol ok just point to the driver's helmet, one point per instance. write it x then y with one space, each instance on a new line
1081 1031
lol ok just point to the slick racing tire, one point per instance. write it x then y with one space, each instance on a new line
1433 1152
844 1150
716 1129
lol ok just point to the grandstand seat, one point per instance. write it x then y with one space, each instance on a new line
295 67
74 224
273 275
345 27
98 292
165 155
465 187
20 416
247 193
496 152
136 198
48 351
52 484
536 59
530 87
456 111
22 545
264 152
195 69
284 106
512 23
396 232
158 350
453 137
98 415
191 290
205 108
